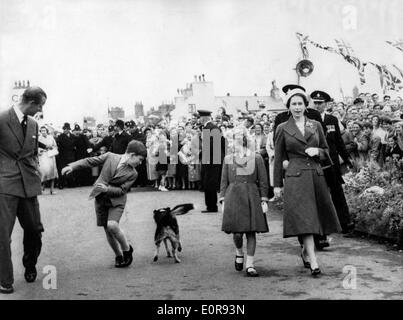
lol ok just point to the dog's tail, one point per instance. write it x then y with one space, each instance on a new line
182 208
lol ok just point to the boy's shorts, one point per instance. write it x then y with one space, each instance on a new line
106 212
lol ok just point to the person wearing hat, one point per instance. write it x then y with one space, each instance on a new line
121 138
211 161
333 174
67 153
284 116
110 193
82 151
308 207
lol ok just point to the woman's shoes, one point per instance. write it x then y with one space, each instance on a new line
315 272
307 264
239 265
251 272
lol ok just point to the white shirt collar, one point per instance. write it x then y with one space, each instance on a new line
18 112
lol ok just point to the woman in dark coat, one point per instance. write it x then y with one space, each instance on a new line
308 207
243 191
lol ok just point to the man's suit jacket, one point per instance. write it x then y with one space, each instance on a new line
19 172
117 181
330 126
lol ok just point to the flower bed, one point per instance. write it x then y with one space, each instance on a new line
375 198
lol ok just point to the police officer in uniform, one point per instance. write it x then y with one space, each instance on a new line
337 148
211 159
121 138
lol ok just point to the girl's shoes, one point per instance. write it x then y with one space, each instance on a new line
238 265
162 188
315 272
307 264
251 272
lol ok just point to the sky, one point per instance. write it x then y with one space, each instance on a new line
88 54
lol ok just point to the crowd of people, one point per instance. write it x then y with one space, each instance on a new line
356 131
370 129
296 154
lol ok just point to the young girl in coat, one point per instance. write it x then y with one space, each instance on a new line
244 188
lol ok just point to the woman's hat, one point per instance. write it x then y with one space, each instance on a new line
292 89
66 126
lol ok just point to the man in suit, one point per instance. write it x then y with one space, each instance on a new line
337 148
212 154
117 175
66 143
20 184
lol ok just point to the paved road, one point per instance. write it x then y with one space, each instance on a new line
84 262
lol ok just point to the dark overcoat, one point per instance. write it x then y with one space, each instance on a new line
308 207
67 149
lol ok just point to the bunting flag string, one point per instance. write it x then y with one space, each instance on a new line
388 80
399 70
344 48
398 44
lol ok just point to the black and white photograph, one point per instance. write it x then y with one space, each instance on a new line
208 151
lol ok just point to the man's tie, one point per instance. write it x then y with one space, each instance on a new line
24 125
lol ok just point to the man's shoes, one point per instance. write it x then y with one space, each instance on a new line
6 289
210 210
348 228
128 257
30 274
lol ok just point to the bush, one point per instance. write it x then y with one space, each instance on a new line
377 211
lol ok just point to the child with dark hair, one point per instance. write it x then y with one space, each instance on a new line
117 175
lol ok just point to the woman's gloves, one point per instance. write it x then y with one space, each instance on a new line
312 152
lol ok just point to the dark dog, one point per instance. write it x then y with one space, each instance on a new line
168 229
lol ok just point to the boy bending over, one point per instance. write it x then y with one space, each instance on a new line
117 175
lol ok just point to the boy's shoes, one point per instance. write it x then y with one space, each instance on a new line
125 260
6 289
119 261
128 256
